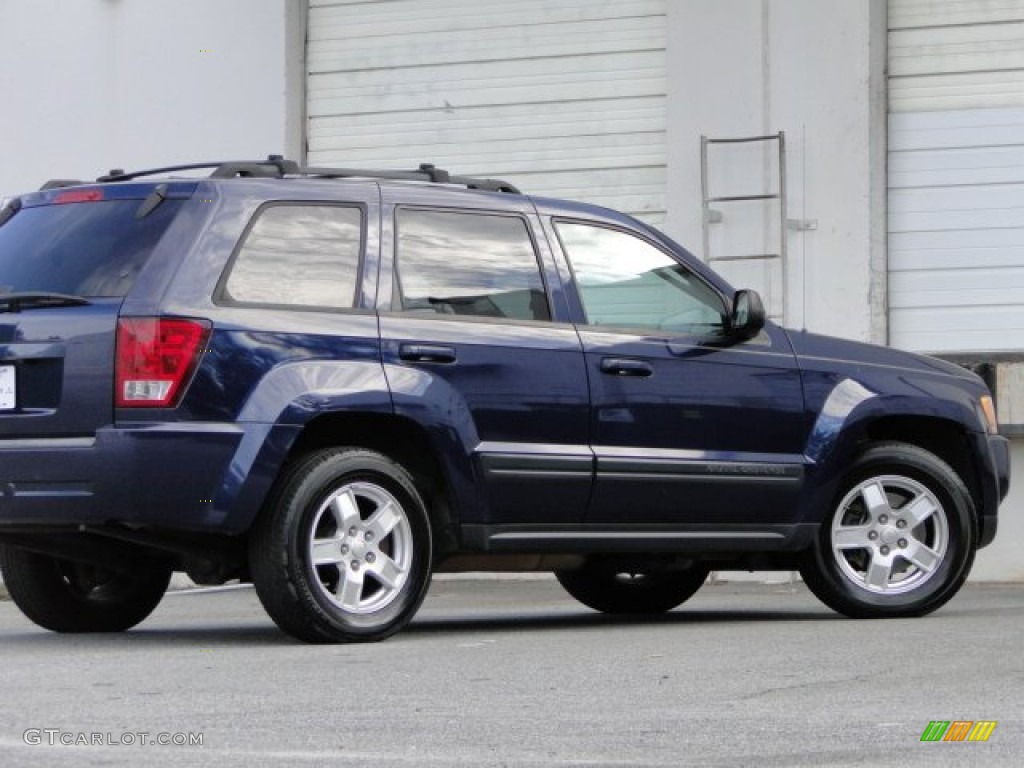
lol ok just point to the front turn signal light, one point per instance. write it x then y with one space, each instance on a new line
988 408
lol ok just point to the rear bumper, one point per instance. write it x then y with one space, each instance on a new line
183 476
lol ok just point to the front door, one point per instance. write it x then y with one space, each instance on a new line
689 427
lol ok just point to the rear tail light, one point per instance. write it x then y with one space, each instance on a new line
156 357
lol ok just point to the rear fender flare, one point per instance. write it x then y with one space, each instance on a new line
293 393
273 416
433 403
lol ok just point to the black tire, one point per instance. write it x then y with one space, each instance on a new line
331 497
909 555
65 596
609 589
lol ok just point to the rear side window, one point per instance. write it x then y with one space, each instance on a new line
298 255
454 263
86 249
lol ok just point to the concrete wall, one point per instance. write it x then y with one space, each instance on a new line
816 71
92 84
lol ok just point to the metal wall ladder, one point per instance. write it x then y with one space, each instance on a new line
714 216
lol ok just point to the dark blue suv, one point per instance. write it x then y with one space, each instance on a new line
333 383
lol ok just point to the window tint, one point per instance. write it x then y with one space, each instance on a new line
626 282
87 249
301 255
468 264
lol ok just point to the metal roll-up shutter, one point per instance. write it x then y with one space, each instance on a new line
562 97
956 175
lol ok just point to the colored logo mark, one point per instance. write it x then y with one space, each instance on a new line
958 730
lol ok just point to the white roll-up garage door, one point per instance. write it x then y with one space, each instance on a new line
561 97
956 175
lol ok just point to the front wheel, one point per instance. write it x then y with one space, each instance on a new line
610 589
66 596
343 551
900 539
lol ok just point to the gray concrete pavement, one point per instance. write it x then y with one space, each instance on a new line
514 673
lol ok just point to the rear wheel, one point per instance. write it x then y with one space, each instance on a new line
343 550
899 540
66 596
609 588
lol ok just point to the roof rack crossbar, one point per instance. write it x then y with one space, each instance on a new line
349 173
426 172
273 166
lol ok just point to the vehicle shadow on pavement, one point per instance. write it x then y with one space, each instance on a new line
184 637
212 635
584 621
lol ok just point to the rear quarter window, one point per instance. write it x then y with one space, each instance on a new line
298 255
86 249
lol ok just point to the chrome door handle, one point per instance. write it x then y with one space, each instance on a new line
624 366
426 353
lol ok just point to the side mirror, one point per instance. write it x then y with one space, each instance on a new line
747 317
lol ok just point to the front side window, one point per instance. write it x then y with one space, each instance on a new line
454 263
299 255
625 282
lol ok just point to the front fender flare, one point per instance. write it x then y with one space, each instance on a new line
842 426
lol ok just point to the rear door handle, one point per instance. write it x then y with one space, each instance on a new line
624 366
426 353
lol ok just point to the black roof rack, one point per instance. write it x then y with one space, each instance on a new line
426 172
275 166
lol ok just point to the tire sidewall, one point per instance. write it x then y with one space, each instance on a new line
945 485
39 585
314 490
597 586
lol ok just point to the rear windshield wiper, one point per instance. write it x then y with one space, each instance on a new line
8 211
15 302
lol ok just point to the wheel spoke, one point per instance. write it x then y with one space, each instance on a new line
350 588
919 510
345 510
386 571
326 551
921 555
384 520
889 534
875 499
878 572
360 545
852 537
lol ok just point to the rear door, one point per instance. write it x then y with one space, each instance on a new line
478 348
67 259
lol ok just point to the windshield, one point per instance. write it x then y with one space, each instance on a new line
82 249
